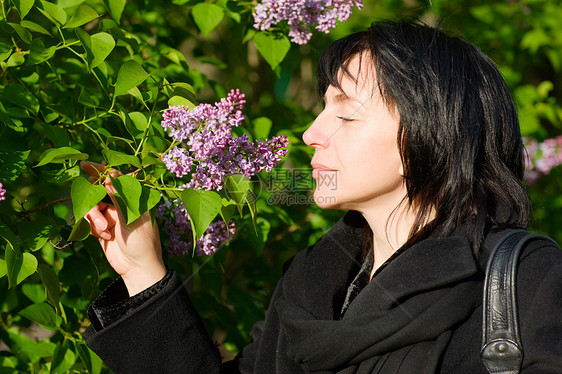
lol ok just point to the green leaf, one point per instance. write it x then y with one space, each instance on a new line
19 266
35 27
20 96
34 235
115 158
202 206
139 122
238 188
23 33
59 155
207 16
179 101
80 231
262 127
38 53
130 191
3 268
22 345
42 313
273 47
23 6
102 45
53 12
85 196
34 292
16 59
5 51
12 163
63 358
130 75
149 199
57 135
84 14
51 283
65 175
10 237
116 8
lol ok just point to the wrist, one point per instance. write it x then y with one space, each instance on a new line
140 278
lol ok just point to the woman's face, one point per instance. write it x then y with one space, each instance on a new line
356 162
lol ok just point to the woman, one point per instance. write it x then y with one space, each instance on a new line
421 133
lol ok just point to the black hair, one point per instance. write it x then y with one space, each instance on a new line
458 136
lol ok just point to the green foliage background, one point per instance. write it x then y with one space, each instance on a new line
90 77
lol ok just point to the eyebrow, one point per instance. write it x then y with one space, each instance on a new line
342 98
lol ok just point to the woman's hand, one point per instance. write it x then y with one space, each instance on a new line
134 251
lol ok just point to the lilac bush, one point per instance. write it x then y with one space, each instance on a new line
542 157
175 221
2 192
205 149
301 15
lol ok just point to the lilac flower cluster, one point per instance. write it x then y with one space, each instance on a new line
176 223
2 192
302 14
542 157
206 144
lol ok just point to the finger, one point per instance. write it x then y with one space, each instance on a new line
97 219
100 234
92 168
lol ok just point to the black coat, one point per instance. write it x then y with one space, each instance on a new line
421 313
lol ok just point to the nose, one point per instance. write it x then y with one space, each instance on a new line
314 136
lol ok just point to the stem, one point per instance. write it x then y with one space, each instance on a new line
145 135
4 11
26 213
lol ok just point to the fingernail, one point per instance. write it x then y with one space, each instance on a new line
100 224
105 235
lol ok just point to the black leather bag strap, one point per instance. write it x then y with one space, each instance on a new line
502 352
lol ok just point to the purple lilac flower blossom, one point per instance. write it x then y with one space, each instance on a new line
302 14
2 192
541 158
176 223
207 150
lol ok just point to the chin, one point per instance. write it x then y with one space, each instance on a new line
327 200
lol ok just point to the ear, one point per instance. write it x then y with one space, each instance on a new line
401 170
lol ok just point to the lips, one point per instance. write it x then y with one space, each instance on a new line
317 168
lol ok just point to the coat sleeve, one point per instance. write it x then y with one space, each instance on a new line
157 331
540 310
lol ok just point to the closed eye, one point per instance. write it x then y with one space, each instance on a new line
346 119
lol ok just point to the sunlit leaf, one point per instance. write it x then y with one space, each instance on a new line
63 358
35 27
53 12
38 53
85 196
130 75
273 47
23 6
23 33
80 230
115 158
207 16
130 191
202 206
57 155
101 46
116 8
84 14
